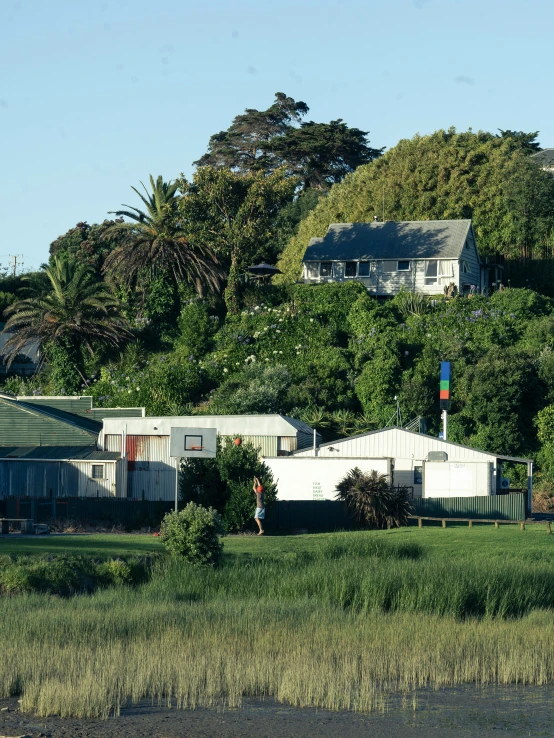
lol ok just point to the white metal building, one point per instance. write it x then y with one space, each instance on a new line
145 444
432 467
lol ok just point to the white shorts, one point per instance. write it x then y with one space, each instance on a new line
260 513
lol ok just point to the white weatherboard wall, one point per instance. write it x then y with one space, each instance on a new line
407 449
312 478
457 478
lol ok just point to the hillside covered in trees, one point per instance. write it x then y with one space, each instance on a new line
155 307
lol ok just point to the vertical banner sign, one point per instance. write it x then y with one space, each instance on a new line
446 375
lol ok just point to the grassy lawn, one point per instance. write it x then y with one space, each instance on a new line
328 620
104 544
482 542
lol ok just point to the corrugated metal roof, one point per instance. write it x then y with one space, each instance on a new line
57 453
417 239
89 425
82 406
436 443
70 404
248 425
30 425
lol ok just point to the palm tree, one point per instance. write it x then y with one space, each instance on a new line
373 502
73 310
154 241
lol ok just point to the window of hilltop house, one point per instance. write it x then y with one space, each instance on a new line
325 268
431 269
466 269
388 266
403 266
98 471
363 269
351 269
312 270
418 475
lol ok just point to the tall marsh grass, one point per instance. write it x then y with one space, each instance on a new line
338 629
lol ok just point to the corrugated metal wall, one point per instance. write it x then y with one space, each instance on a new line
151 470
156 448
306 440
57 479
495 507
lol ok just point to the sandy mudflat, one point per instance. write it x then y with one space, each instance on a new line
468 712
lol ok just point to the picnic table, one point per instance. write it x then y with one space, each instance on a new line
27 525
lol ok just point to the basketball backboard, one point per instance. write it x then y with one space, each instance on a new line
193 443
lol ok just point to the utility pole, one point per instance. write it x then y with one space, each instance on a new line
16 260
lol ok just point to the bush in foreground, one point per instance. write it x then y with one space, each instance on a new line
66 575
193 534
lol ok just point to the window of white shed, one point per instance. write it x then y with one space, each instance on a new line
325 268
98 471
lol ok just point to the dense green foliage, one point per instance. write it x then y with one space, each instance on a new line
153 243
336 358
205 337
69 574
75 315
317 155
443 176
225 483
232 215
193 534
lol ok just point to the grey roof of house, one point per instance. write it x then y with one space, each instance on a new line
57 453
413 239
545 157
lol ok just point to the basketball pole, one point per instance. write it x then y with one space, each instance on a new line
178 466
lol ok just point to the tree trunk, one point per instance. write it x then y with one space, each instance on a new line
231 290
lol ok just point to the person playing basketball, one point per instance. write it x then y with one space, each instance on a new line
259 515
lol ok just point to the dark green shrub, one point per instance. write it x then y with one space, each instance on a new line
193 534
373 501
226 482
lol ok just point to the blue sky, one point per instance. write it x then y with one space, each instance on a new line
97 94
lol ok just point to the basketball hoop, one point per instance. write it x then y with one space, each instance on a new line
196 448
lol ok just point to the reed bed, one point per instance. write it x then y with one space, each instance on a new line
337 629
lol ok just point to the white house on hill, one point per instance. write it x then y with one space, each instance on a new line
424 256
